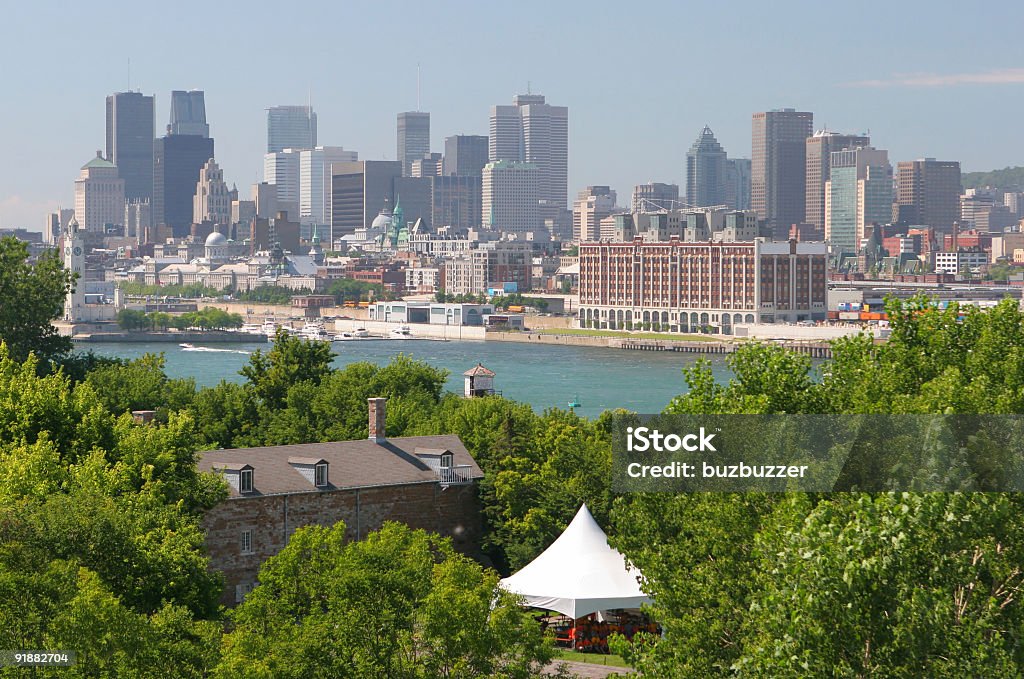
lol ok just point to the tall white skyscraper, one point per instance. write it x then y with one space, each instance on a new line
99 195
535 132
281 169
290 127
315 182
510 196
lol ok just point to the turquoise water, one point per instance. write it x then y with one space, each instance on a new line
542 375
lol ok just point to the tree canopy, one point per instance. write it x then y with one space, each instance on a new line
33 295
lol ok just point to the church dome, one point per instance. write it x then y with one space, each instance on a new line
382 221
216 239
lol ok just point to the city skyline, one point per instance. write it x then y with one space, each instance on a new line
919 97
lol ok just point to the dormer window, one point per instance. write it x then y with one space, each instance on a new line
447 461
245 481
321 475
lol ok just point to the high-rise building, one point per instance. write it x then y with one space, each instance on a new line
212 202
413 138
430 165
358 192
778 168
737 183
857 194
705 171
819 149
928 192
130 134
534 132
315 183
177 162
592 204
188 113
412 194
290 127
99 195
456 201
281 169
510 196
465 155
654 196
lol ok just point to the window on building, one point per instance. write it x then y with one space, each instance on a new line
321 475
241 590
245 481
246 542
447 460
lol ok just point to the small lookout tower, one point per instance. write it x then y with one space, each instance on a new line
479 381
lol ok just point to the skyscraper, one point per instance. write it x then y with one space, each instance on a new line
654 196
212 201
928 192
177 162
413 138
819 149
705 171
281 168
290 127
592 204
456 201
188 113
358 192
130 134
857 194
315 183
510 196
465 155
534 132
99 195
778 168
737 183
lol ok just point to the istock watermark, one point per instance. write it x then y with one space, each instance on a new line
817 453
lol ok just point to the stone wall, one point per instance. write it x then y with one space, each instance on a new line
453 512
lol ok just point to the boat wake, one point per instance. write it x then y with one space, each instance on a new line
219 351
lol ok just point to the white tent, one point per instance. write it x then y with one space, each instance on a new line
578 574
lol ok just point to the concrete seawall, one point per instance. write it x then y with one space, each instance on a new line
816 350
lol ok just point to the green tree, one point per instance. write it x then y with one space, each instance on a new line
292 360
33 295
398 603
140 385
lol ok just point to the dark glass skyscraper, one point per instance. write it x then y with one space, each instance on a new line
188 113
778 181
130 133
413 138
177 161
465 155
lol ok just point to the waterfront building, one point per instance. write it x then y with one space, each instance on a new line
857 194
819 148
413 138
928 193
188 114
654 196
290 127
99 195
592 205
511 191
489 265
705 171
778 168
533 131
130 135
687 287
177 162
465 155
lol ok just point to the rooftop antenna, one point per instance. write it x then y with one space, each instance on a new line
528 87
417 86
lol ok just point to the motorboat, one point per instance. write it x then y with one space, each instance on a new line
402 332
186 345
269 327
252 329
360 333
314 331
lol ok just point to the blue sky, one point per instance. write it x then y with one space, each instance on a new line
640 78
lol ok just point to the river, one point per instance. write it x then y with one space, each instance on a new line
543 375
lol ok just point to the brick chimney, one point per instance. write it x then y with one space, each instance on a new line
377 416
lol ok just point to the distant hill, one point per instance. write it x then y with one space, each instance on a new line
1008 179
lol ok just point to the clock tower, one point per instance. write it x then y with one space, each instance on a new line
74 261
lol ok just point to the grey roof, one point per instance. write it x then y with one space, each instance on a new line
352 464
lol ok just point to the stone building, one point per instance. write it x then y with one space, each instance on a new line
426 482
